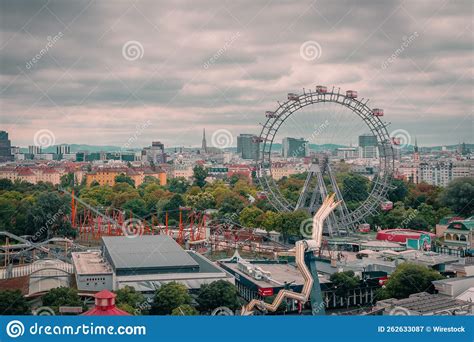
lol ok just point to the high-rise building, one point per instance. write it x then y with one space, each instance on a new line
155 153
294 148
34 149
5 148
63 149
248 146
368 146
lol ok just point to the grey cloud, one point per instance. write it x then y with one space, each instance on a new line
249 74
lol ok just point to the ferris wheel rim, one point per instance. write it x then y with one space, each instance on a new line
376 126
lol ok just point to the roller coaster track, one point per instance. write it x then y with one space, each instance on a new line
301 248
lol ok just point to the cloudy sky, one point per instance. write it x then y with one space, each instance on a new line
111 72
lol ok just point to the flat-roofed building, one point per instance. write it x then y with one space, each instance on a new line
147 262
425 304
92 272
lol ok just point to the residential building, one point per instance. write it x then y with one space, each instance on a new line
436 173
347 152
462 169
106 175
183 170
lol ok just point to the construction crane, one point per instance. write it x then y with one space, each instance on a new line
305 261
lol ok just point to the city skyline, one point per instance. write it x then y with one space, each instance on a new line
94 73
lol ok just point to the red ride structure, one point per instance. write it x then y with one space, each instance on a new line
91 224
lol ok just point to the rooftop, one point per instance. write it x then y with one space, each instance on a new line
90 263
280 272
146 252
425 303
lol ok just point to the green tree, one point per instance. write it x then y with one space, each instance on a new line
168 297
218 293
458 196
343 282
409 278
67 180
12 302
184 310
47 217
201 201
355 188
6 184
272 221
97 196
129 299
252 217
399 192
232 203
173 205
178 185
292 223
423 193
123 178
61 296
200 174
135 206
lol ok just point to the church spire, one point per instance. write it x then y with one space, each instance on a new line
204 143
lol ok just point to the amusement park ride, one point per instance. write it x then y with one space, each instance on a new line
315 189
305 261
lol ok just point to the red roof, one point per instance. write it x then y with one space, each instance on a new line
105 294
401 235
105 305
111 312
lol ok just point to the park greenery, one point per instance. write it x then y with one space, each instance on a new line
42 210
170 299
407 279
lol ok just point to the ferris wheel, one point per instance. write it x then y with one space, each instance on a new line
320 179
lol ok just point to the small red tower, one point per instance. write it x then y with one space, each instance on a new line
105 305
